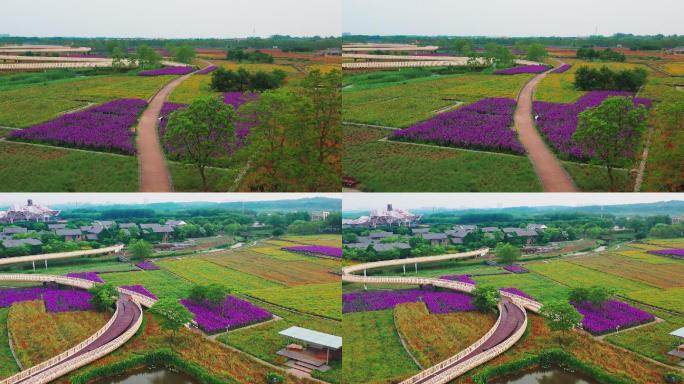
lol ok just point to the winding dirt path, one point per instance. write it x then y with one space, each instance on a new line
549 169
154 174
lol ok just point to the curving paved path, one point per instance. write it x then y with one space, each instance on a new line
508 329
154 175
61 255
552 175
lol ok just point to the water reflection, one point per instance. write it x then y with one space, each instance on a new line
548 376
155 376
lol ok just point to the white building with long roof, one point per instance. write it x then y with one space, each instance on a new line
28 212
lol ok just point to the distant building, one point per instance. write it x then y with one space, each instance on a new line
319 216
11 243
28 212
70 234
175 223
387 217
437 239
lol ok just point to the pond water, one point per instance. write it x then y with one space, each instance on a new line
150 376
547 376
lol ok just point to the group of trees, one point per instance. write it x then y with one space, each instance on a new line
604 78
227 80
255 56
589 53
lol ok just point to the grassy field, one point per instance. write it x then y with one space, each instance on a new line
161 283
38 335
595 179
25 167
318 299
186 178
398 167
432 338
25 106
296 272
671 299
676 69
656 275
8 366
538 287
407 102
373 350
192 88
199 271
327 240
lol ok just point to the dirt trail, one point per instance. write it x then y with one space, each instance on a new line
551 173
154 175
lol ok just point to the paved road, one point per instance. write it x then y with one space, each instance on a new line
551 173
154 175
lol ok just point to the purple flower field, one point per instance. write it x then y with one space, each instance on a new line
103 127
611 316
167 71
679 253
558 122
516 291
55 300
515 269
316 249
486 124
207 70
141 290
147 266
462 278
92 276
562 69
436 302
67 300
234 313
522 69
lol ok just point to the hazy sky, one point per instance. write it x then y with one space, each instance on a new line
170 18
356 201
129 198
512 17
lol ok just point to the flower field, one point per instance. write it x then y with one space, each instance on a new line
558 122
316 250
562 69
207 70
105 127
486 124
676 253
612 316
167 71
67 300
523 69
514 268
462 278
574 275
517 291
201 271
233 313
663 275
147 266
92 276
160 283
317 299
140 289
328 240
436 302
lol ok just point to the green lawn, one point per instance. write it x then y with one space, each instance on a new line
595 179
161 283
25 167
186 178
8 366
319 299
398 167
200 271
373 350
537 286
574 275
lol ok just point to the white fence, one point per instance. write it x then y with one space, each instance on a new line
61 255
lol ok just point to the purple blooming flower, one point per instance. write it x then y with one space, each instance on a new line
103 127
147 266
562 69
462 278
92 276
207 70
167 71
10 296
611 316
558 122
233 313
140 289
522 69
516 291
67 300
316 249
679 253
486 124
515 268
436 302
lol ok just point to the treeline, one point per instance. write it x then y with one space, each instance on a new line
286 43
227 80
595 54
596 79
256 56
634 42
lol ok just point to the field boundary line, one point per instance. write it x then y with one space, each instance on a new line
386 140
663 365
292 309
68 149
11 345
370 125
403 342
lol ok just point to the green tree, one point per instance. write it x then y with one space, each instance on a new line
560 316
140 249
104 296
118 58
501 56
205 131
198 293
147 57
274 378
173 314
216 294
185 54
610 131
536 52
507 253
486 299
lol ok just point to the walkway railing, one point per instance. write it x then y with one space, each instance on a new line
61 255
